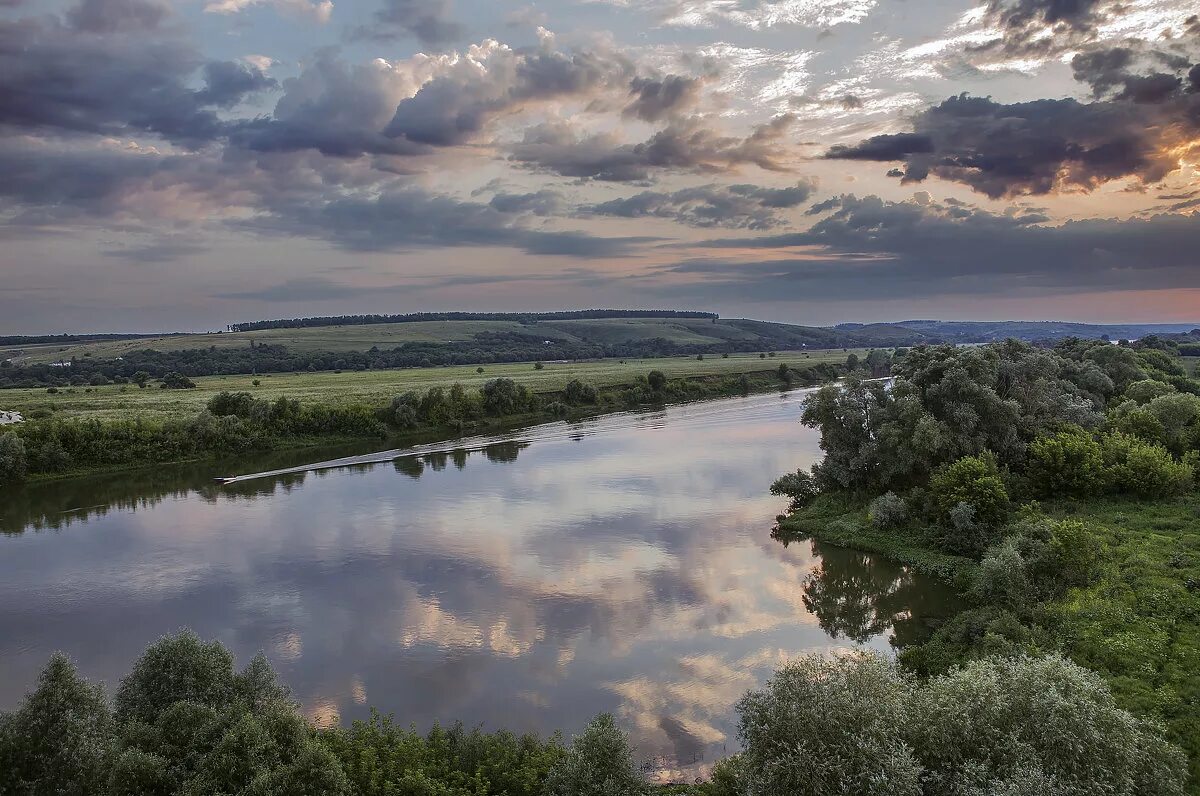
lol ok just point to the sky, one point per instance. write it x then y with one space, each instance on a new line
184 165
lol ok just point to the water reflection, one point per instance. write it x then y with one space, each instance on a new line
624 565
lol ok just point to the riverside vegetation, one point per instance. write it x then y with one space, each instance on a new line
184 721
1056 487
238 422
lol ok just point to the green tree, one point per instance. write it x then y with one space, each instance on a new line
14 461
60 739
976 482
598 763
657 380
996 723
140 378
829 727
1069 464
1135 467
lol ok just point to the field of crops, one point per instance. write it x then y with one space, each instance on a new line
378 386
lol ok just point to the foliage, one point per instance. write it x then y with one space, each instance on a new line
1068 464
59 740
576 392
656 380
381 758
1135 467
14 460
887 510
828 726
800 486
970 497
599 763
175 380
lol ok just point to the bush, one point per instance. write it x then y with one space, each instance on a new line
576 392
657 380
177 381
1143 469
13 459
1003 578
887 510
828 726
599 763
799 486
1069 464
1044 721
974 480
232 403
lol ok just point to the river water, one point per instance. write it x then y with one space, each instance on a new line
529 581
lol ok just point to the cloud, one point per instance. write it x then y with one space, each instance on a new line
761 14
655 99
414 106
108 16
317 10
731 206
428 21
684 145
872 249
107 77
405 218
1047 145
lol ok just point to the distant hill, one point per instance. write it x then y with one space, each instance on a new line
988 331
387 341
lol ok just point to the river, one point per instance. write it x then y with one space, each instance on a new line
529 581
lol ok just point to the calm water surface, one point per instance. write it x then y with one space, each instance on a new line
624 564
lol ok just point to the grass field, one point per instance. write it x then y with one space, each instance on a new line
378 386
684 331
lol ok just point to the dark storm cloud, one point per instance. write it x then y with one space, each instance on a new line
655 99
1041 146
428 21
1043 27
109 78
869 248
451 109
686 145
108 16
347 111
406 218
730 206
226 83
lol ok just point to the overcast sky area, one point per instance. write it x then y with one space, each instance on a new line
187 164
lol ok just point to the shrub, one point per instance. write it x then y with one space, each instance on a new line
887 510
231 403
657 380
1140 468
599 763
1003 579
13 460
1044 721
799 486
1069 464
828 726
576 392
975 481
177 381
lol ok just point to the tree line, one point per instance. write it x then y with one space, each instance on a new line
416 317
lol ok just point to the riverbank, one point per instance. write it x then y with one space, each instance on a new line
375 387
243 422
1137 623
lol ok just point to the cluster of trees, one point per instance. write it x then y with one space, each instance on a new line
232 423
964 433
185 721
414 317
